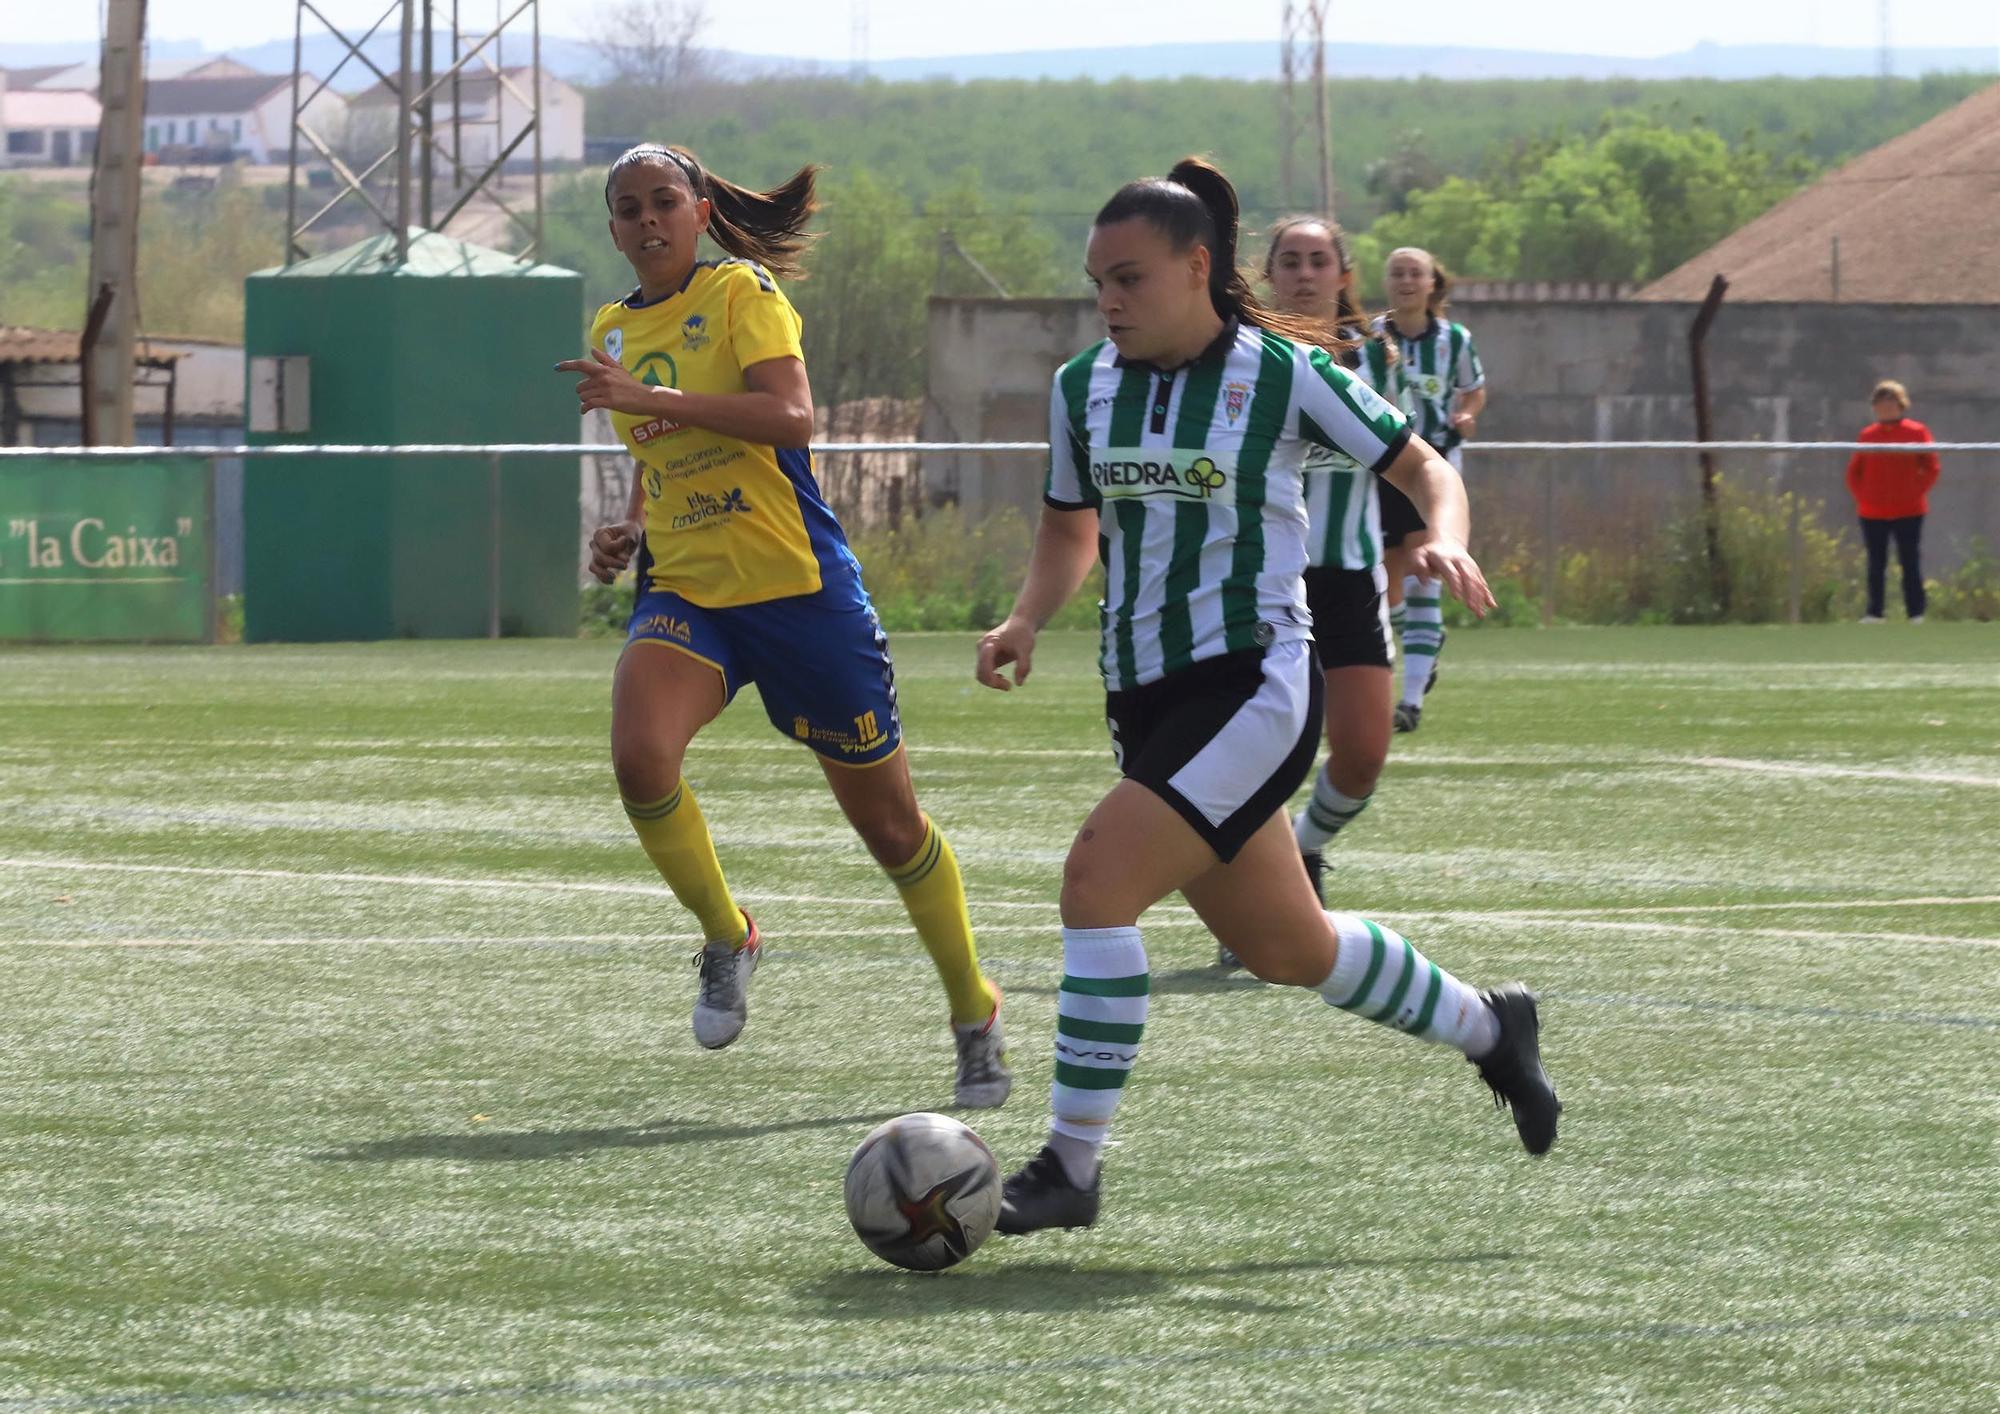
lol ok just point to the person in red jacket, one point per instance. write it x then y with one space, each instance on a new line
1892 493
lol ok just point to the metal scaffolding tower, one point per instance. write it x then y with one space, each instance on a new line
1301 54
399 185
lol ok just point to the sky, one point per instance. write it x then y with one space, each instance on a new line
823 29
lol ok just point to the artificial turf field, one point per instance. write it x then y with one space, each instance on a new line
346 1057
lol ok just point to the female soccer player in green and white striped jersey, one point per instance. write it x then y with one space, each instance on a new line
1177 445
1440 385
1309 272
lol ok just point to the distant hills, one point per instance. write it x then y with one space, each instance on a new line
577 61
1260 61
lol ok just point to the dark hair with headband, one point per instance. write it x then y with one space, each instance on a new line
768 227
1194 204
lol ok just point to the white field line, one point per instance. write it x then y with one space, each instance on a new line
1857 773
920 752
656 891
431 881
1652 910
584 746
899 932
1608 925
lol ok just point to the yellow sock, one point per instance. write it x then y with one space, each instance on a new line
676 839
934 893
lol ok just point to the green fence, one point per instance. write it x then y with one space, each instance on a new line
112 550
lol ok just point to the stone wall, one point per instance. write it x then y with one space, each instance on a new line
1567 371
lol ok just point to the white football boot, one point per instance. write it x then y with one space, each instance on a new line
722 1005
983 1077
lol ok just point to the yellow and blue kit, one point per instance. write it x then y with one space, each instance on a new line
743 565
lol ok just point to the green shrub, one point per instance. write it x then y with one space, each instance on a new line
1662 575
1604 586
942 572
1972 591
1755 540
1514 606
603 610
937 572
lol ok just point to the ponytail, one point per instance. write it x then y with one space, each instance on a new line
1195 204
1440 296
768 227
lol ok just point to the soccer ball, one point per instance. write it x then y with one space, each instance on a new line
923 1191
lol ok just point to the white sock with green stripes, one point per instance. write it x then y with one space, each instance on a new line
1423 635
1378 975
1399 618
1100 1014
1326 815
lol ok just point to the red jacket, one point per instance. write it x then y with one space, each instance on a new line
1892 485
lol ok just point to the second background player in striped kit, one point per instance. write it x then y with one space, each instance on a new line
1437 380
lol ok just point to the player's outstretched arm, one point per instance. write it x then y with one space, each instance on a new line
775 410
1434 487
1065 546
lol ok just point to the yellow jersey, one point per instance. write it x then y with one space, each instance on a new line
727 522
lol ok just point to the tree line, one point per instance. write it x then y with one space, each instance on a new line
1061 146
929 184
1503 180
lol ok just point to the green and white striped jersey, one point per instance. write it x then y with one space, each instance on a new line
1432 368
1342 505
1344 511
1196 474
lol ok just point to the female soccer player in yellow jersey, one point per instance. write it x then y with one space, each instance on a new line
745 576
1176 445
1346 587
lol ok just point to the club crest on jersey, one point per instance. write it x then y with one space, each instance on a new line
657 370
1151 471
1235 397
614 343
694 333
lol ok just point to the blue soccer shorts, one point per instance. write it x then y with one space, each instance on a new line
820 662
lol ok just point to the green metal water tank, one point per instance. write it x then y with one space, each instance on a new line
452 345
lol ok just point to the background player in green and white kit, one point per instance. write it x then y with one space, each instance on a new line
1310 274
1176 448
1439 384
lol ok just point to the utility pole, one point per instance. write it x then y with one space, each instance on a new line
1288 103
1303 28
114 228
1322 130
1704 431
857 40
426 136
405 139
